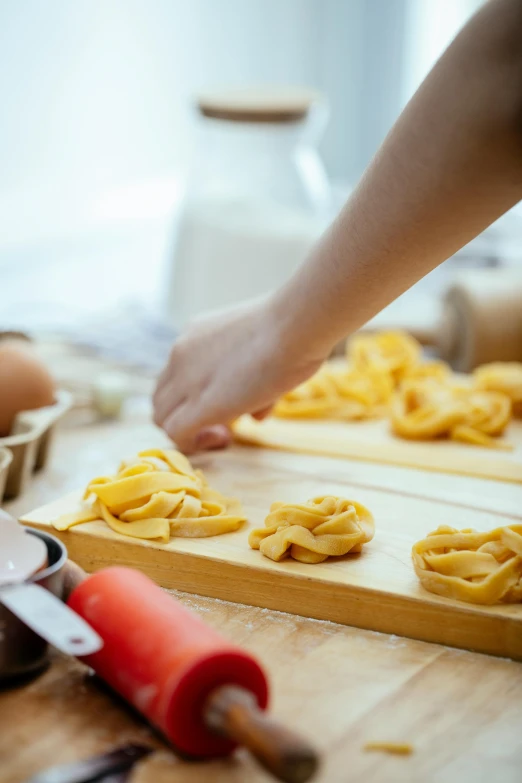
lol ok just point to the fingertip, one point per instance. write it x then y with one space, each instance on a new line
216 437
263 413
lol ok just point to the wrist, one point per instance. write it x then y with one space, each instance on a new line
295 327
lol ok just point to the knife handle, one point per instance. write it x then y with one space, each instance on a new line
97 768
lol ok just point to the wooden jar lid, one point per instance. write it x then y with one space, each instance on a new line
275 105
12 335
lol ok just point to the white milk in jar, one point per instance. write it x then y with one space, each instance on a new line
257 202
229 252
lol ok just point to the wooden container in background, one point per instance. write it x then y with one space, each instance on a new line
481 319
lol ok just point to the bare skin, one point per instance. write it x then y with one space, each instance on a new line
450 166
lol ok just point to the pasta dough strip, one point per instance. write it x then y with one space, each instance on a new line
154 497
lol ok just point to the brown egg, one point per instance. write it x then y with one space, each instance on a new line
25 382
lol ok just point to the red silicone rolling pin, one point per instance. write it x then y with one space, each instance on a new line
203 693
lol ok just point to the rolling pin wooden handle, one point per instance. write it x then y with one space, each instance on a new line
233 712
73 576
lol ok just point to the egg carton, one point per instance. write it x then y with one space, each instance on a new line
26 449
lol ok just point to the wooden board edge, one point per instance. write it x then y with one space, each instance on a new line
464 628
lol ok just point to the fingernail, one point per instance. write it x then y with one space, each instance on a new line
212 439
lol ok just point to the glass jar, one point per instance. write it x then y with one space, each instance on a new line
257 199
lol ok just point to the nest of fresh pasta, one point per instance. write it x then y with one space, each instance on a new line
385 376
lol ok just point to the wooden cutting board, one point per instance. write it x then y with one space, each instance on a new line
373 441
376 590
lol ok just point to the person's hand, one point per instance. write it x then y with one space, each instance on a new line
224 366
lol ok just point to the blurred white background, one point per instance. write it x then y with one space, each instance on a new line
97 124
96 95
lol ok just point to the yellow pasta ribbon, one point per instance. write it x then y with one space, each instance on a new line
480 568
363 388
434 369
157 496
395 353
313 531
333 393
430 408
505 377
395 748
386 377
425 409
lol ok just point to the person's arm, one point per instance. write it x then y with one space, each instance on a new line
451 165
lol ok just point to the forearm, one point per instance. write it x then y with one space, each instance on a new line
450 167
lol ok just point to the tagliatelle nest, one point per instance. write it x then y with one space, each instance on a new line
505 377
157 496
386 377
313 531
428 409
363 388
334 393
480 568
391 352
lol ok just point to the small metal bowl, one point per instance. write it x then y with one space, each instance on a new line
23 652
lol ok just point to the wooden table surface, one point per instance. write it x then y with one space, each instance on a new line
343 687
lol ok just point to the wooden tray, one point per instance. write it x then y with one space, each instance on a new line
29 443
377 590
372 441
